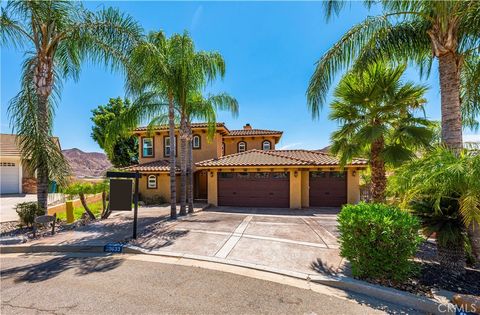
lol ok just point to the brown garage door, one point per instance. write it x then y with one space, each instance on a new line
254 189
328 189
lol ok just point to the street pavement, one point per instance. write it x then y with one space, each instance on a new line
123 284
8 203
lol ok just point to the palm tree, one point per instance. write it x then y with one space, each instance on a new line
203 109
166 71
419 32
58 36
447 181
375 110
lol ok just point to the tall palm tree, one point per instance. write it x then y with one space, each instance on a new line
166 71
57 36
419 32
375 109
203 109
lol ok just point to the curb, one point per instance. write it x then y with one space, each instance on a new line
385 294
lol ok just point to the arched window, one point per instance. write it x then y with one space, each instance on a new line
196 142
266 145
242 146
152 182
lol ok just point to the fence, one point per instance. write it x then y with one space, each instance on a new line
61 207
55 199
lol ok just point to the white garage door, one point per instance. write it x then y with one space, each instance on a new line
9 178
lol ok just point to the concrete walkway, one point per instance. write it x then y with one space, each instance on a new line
8 203
304 243
117 228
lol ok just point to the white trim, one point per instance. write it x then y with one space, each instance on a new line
20 176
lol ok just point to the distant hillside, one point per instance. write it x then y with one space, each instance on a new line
87 164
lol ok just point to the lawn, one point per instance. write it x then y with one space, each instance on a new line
95 207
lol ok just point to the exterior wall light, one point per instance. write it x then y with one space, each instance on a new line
354 172
295 173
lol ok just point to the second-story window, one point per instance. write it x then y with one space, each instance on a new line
166 146
147 147
223 148
266 145
242 146
196 142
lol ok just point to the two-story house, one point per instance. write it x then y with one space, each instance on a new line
243 168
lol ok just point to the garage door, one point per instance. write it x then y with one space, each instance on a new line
328 189
254 189
9 178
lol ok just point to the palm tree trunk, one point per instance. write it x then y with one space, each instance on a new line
190 170
450 98
183 166
44 84
474 236
452 258
171 133
85 206
377 166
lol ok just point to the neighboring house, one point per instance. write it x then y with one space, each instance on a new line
242 168
16 178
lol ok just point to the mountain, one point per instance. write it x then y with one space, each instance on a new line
87 164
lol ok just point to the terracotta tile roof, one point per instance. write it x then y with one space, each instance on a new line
194 125
9 146
276 158
316 157
253 132
155 166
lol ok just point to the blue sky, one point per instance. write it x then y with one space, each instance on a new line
269 47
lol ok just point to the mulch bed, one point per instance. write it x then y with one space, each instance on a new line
13 228
431 277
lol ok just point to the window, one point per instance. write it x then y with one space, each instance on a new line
262 175
196 142
166 146
152 182
266 145
282 175
243 175
223 148
147 147
242 146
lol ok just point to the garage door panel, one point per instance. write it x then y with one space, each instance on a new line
328 189
253 189
9 174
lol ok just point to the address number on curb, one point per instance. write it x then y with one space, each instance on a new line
113 248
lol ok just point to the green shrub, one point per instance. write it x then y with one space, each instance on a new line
379 240
27 211
153 201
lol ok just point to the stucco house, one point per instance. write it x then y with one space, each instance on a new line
16 178
243 168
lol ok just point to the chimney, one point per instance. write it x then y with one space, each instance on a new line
247 127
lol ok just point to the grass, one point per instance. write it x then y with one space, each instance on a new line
95 207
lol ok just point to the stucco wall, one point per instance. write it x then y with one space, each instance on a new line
163 187
208 149
295 189
212 188
252 143
353 186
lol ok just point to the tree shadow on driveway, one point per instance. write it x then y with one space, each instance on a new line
51 268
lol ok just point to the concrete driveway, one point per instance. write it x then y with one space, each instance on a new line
8 203
296 240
